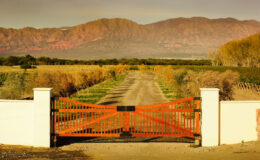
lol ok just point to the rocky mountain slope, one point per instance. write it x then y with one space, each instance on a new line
117 38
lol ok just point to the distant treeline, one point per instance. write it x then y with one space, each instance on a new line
244 52
28 59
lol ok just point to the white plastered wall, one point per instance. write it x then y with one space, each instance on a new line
24 122
16 122
238 121
210 116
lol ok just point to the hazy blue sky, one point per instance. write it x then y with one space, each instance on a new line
57 13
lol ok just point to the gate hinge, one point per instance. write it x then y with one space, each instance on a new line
54 134
54 110
196 135
125 108
196 98
197 110
55 98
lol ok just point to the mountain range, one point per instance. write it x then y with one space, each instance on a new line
123 38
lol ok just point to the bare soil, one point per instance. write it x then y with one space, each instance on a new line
15 152
166 151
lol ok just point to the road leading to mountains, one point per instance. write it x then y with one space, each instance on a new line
139 88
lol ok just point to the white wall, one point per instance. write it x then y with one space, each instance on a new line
16 122
210 115
24 122
238 121
42 100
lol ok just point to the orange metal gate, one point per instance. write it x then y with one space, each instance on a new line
179 118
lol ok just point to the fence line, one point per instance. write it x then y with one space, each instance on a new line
249 86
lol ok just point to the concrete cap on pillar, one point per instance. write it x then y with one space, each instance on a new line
42 89
209 89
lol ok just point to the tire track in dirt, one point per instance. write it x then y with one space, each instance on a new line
139 88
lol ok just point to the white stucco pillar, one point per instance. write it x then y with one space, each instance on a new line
210 116
42 106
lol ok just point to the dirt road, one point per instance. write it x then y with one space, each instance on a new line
139 88
166 151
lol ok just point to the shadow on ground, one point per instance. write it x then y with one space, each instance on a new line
61 141
108 102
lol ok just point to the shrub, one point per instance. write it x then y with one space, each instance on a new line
3 77
26 66
112 74
187 83
49 80
62 83
14 86
133 67
81 80
210 79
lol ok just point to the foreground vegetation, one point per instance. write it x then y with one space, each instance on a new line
247 74
180 83
64 80
177 78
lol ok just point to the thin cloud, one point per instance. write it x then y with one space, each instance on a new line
57 13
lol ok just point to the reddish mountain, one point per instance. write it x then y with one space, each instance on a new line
116 38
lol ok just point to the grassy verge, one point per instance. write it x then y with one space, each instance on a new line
168 93
95 93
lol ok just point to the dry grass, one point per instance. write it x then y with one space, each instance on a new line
8 69
211 79
187 83
245 94
64 80
54 68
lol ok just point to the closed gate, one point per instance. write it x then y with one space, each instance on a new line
179 118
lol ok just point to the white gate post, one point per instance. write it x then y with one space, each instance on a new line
42 106
210 116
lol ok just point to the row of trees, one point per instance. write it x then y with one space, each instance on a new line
244 52
30 60
25 61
